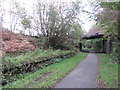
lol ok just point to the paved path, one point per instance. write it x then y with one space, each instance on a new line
83 76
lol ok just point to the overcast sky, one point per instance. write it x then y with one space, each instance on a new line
29 5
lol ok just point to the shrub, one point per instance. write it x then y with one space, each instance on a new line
57 60
37 55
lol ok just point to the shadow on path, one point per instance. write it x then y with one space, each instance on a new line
83 76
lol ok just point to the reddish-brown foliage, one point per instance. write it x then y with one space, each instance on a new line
13 43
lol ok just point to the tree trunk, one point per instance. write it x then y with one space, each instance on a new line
109 46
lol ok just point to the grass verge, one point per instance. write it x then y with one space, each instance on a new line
48 76
107 72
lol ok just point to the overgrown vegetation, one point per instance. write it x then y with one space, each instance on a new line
32 56
31 61
48 76
109 20
107 72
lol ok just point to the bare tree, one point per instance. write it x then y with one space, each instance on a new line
56 21
16 12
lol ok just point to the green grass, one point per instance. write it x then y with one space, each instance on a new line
107 71
32 56
47 76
